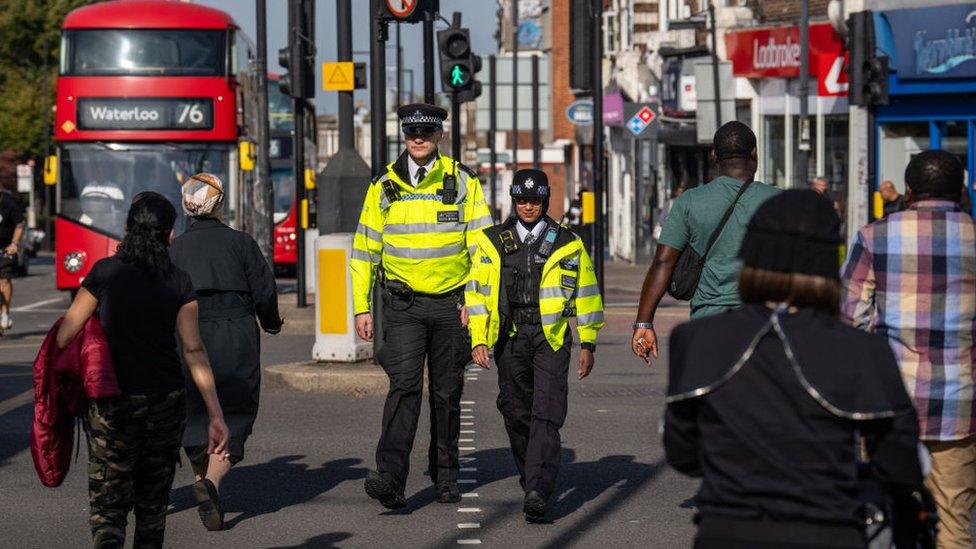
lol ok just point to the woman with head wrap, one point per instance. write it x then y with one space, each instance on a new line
233 282
775 405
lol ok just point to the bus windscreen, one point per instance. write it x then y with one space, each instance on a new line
140 52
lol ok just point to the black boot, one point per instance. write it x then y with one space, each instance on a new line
447 492
385 488
534 507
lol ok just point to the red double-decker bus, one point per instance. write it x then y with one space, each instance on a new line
282 146
149 93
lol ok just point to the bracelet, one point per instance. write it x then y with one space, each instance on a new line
643 325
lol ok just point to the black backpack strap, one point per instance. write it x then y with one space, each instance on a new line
725 218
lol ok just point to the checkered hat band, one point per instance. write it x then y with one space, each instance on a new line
539 190
421 119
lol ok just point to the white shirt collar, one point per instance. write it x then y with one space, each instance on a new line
536 231
413 167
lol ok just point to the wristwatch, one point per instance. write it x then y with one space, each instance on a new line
642 325
591 347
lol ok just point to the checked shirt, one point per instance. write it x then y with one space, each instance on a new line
912 278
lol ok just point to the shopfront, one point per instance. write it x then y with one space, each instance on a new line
770 59
932 88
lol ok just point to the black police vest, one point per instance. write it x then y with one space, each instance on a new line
522 269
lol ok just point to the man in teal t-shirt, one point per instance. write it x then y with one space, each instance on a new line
694 215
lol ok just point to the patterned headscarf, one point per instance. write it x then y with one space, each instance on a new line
203 195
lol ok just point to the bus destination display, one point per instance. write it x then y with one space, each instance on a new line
145 114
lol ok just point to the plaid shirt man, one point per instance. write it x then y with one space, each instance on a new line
912 278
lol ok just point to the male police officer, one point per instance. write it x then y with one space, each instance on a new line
529 276
415 236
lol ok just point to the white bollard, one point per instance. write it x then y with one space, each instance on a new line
335 325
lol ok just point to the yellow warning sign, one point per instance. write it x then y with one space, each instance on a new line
68 126
338 76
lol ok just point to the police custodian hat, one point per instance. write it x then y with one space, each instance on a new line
530 182
421 115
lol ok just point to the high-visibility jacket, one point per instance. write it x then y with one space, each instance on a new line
568 288
417 238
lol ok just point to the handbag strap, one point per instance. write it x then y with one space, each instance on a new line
725 218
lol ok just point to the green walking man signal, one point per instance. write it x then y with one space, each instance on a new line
457 76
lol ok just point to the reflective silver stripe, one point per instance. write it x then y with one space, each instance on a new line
477 310
418 228
475 286
551 318
555 291
462 182
384 201
587 291
479 223
363 256
472 250
369 233
590 318
424 253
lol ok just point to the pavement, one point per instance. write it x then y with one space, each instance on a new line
301 483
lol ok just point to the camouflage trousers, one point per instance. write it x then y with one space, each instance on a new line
133 448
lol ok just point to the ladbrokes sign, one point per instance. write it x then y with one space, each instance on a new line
776 52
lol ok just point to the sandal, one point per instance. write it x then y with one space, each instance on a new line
211 514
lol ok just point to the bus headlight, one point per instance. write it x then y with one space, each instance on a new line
74 261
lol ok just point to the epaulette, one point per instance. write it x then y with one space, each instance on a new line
377 179
467 170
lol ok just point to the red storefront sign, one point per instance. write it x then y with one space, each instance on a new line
775 53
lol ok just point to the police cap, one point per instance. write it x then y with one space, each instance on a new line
421 118
530 182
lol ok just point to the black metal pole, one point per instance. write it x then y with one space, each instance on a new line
716 85
492 129
347 136
377 84
515 24
429 58
298 168
598 187
399 68
455 127
803 154
536 138
264 203
48 198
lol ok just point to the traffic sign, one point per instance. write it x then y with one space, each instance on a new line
401 9
580 112
339 76
25 178
640 121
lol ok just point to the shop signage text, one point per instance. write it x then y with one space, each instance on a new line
776 52
580 112
938 42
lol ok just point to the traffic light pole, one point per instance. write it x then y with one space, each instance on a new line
536 138
263 207
515 24
492 129
598 190
455 127
377 84
429 58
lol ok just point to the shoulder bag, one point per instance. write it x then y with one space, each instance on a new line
687 272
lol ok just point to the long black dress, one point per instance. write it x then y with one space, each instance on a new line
233 282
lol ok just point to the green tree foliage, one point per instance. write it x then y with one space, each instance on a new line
25 27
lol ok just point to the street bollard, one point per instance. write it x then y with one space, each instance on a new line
335 326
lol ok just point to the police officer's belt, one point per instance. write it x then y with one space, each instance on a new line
403 290
526 315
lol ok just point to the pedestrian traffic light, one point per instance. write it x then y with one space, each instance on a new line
867 71
299 57
474 91
457 71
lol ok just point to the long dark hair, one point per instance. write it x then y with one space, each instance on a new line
147 229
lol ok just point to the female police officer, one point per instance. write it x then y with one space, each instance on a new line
528 276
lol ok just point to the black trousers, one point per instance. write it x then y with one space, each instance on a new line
414 330
533 385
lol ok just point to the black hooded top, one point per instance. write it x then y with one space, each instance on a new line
767 408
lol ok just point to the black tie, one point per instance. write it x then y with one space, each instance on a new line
421 174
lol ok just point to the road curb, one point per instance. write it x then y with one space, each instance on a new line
358 379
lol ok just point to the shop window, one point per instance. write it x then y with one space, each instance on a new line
836 130
773 153
955 139
802 181
898 143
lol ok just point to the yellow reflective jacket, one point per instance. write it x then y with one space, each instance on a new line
417 238
568 288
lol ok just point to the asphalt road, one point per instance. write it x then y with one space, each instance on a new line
301 482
